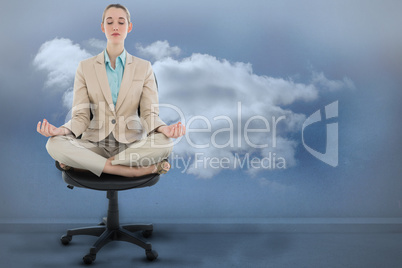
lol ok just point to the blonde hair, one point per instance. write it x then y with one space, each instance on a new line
116 6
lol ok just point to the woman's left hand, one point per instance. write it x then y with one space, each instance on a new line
173 131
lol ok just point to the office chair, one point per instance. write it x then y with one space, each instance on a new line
110 229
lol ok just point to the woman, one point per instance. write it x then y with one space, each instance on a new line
115 111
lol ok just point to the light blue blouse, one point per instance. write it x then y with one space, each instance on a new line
114 76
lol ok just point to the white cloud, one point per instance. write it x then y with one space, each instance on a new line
158 50
68 98
320 80
209 89
59 58
218 96
94 46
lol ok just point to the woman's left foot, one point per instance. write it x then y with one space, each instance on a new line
162 167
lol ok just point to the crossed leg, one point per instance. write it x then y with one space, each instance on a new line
86 155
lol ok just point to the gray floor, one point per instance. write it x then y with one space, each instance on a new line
211 246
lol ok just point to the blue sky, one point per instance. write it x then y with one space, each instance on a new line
277 58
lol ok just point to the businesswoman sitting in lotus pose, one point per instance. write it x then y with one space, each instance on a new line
115 111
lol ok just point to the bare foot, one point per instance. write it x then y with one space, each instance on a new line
162 167
127 171
64 167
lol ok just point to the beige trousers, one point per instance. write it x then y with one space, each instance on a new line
92 156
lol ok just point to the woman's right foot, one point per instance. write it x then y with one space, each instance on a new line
62 167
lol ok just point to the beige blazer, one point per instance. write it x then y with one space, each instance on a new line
92 95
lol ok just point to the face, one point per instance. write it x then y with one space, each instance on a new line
115 26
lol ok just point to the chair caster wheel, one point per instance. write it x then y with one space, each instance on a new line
146 233
66 239
89 258
151 254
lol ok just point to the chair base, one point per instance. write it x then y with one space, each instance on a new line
106 235
110 230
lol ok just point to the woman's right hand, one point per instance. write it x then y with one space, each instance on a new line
48 130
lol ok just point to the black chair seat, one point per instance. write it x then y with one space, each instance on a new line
107 182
